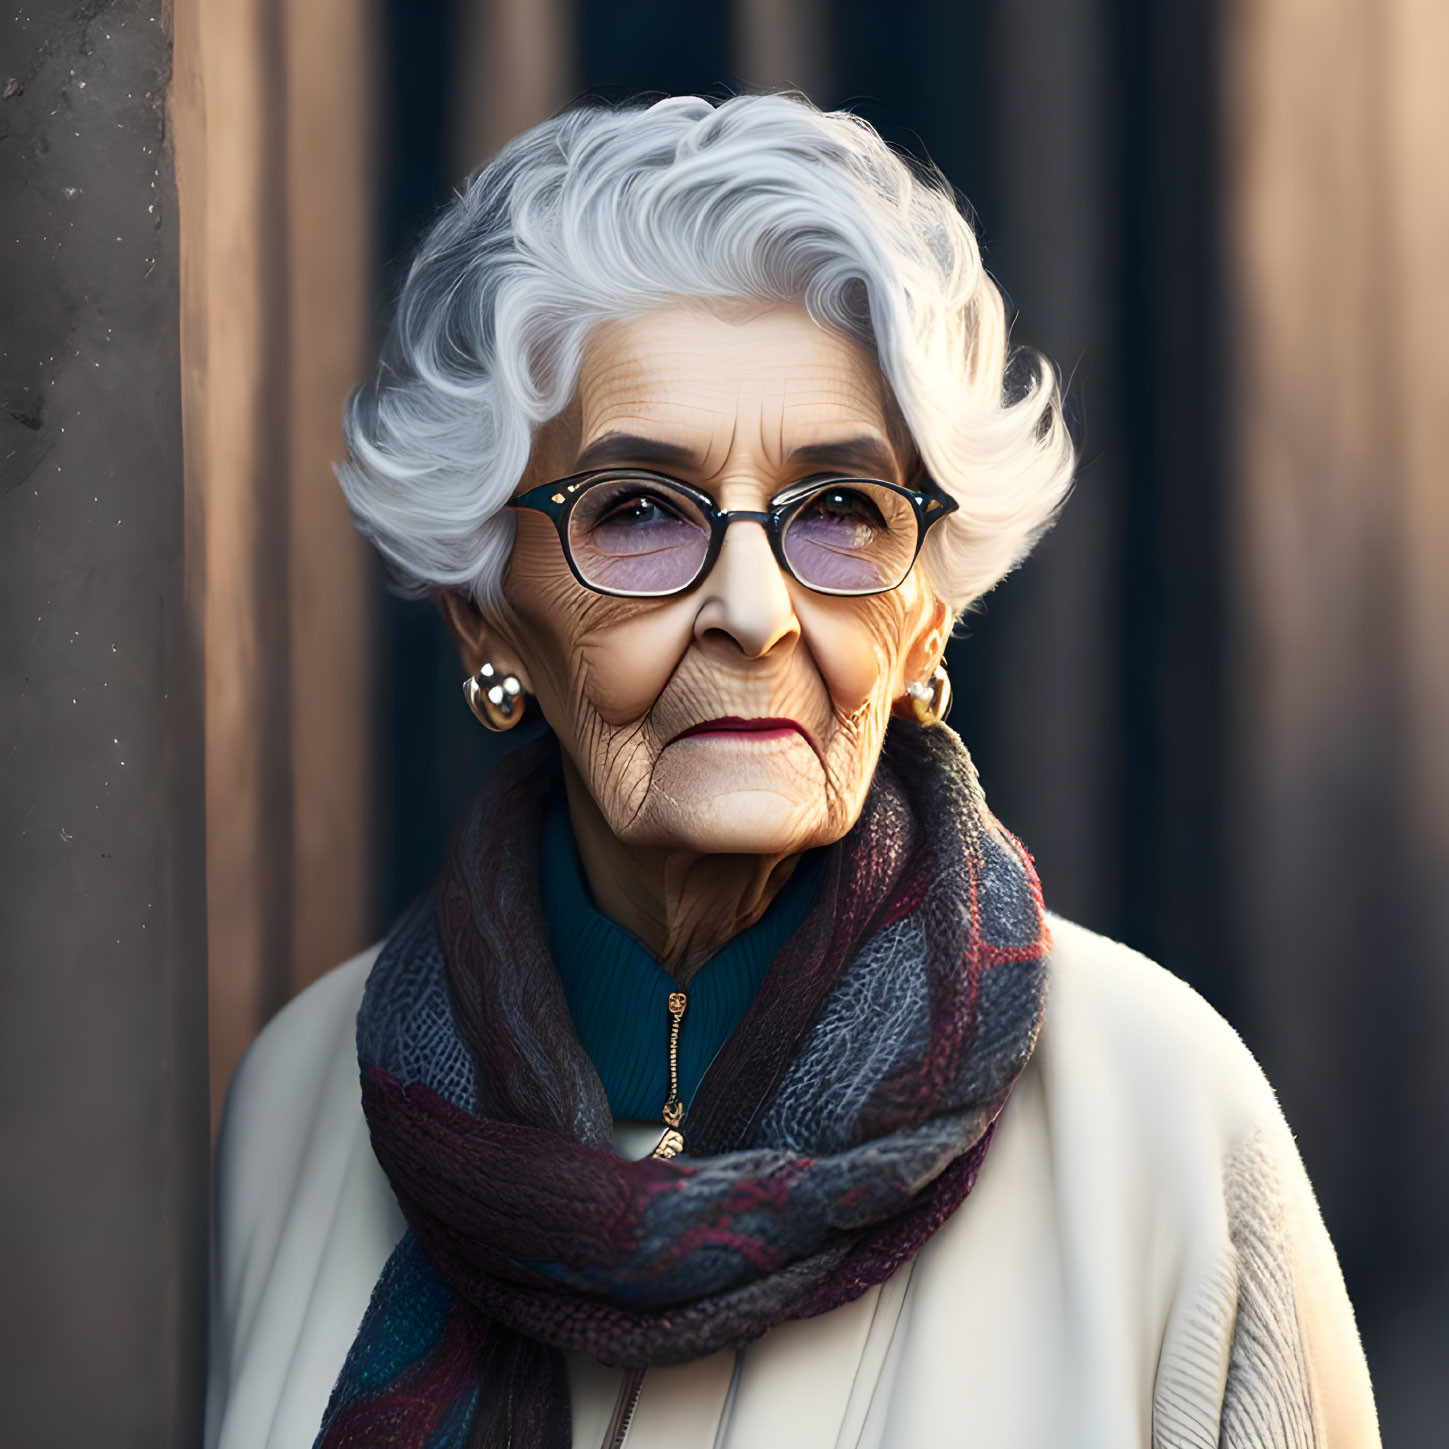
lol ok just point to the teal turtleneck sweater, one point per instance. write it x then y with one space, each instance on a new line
617 992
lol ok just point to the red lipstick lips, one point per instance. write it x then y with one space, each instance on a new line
732 724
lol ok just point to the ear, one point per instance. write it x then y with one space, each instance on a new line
923 653
477 641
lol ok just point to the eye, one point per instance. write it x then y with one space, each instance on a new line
637 510
842 505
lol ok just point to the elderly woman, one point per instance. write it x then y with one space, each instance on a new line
732 1086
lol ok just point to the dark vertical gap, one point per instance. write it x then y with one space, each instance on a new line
1173 525
270 562
1141 514
654 45
418 46
918 74
1198 932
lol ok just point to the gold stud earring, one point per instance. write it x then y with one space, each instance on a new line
931 698
496 699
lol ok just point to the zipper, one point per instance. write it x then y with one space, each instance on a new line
624 1408
671 1144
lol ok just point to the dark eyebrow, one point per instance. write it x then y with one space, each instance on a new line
864 456
615 448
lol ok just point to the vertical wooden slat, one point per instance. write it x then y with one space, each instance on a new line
331 165
783 43
273 323
515 67
1319 495
242 418
1339 233
1418 227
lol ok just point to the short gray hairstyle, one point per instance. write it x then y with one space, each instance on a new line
605 212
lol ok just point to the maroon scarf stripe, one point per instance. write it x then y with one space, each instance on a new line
420 1397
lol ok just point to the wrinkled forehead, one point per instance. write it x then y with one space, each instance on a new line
706 383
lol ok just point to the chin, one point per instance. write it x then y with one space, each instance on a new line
734 799
735 822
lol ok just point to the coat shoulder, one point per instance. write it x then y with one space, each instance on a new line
302 1219
1182 1119
314 1015
292 1046
1111 1007
292 1074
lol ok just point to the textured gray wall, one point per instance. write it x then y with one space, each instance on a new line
103 1104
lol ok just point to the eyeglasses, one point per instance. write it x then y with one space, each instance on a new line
642 535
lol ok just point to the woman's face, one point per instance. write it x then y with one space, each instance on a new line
740 403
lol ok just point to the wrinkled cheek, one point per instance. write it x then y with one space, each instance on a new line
619 690
548 611
550 627
620 678
856 653
592 657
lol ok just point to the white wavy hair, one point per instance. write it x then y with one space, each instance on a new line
607 212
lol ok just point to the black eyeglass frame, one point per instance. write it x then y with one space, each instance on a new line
558 499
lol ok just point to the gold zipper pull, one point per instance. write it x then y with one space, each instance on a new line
672 1143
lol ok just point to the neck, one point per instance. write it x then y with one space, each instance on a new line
681 904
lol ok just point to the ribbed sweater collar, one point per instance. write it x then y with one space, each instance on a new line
617 992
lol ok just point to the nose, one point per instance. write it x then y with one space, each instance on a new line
744 599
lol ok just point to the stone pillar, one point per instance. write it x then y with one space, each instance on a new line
102 842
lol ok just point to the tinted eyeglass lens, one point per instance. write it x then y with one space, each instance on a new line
634 535
851 537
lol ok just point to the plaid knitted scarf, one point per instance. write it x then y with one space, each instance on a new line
837 1129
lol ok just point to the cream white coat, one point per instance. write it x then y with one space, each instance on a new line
1141 1264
